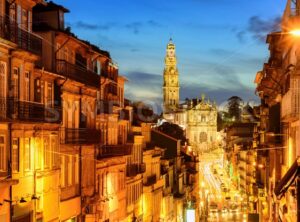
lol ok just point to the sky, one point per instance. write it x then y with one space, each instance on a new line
220 45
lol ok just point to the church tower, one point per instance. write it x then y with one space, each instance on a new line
171 80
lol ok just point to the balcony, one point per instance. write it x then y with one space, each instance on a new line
25 40
134 169
290 106
79 136
151 180
13 109
114 150
77 73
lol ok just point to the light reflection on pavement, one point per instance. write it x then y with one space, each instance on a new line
212 192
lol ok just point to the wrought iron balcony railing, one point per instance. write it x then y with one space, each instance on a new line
25 40
135 169
114 150
14 109
79 136
77 73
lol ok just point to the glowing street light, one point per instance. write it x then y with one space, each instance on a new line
295 32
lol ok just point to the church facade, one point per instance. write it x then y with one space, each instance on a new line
198 117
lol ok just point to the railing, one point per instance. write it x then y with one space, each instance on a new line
135 169
290 106
114 150
150 180
79 136
25 40
77 73
13 109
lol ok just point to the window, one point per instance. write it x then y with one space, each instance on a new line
49 93
27 154
69 170
54 151
2 79
62 171
15 155
24 19
38 153
12 11
37 90
203 137
15 82
47 152
27 86
3 157
29 21
19 16
2 89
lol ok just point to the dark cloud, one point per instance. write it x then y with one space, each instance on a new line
149 86
88 26
135 27
258 28
220 95
146 79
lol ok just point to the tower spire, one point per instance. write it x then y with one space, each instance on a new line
171 81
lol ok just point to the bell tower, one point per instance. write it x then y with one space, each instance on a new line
171 80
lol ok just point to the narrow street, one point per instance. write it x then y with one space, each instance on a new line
220 200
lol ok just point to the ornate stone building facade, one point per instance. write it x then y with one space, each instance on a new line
198 117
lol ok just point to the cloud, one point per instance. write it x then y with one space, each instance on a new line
147 87
135 27
142 78
258 28
220 95
89 26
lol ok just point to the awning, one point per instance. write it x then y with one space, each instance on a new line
288 178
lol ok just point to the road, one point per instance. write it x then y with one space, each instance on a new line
217 205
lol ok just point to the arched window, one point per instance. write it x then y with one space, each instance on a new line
203 137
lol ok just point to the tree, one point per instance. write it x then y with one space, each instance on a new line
235 108
143 113
173 130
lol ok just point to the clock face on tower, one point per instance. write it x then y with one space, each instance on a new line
171 53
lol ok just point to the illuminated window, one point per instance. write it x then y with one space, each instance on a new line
3 158
27 155
15 154
47 152
15 82
49 94
38 153
2 89
27 86
62 171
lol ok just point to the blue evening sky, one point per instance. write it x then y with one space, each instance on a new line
220 45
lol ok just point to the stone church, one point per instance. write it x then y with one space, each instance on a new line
198 117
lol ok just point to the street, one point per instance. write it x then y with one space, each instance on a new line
220 200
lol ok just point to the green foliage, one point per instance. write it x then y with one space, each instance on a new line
234 106
173 130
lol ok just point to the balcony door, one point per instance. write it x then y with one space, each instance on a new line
2 89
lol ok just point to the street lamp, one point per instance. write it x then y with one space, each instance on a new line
295 32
